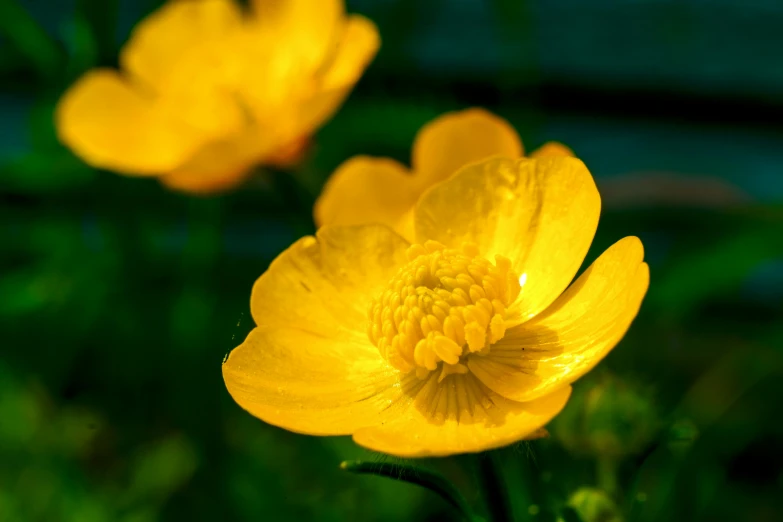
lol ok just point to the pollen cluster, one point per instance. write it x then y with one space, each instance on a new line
441 306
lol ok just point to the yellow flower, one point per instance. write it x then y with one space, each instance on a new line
207 91
465 339
380 190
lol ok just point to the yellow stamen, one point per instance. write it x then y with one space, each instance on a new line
443 305
449 369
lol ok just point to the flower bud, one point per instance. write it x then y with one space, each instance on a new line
609 417
594 505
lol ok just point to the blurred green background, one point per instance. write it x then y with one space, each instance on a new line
119 299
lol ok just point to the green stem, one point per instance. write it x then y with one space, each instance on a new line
493 488
414 475
606 474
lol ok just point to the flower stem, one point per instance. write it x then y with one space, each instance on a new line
414 475
493 488
606 474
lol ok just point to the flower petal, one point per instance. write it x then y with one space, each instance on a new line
205 178
221 164
309 383
542 214
157 44
366 190
358 45
324 284
551 148
307 30
306 102
456 139
459 415
111 125
572 335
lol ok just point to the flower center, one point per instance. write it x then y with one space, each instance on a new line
443 305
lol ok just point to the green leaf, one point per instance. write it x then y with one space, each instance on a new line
569 514
161 469
101 18
48 165
39 173
414 475
81 46
714 270
28 38
722 385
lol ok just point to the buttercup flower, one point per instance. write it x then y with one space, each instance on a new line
380 190
207 91
465 339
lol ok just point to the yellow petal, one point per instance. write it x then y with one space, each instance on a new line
575 333
550 149
309 383
202 91
456 139
187 53
111 125
541 214
459 415
290 154
324 284
159 42
357 47
221 164
300 103
366 190
199 179
306 30
301 117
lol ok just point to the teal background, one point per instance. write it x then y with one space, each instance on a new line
119 299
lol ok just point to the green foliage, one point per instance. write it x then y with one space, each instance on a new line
417 475
119 300
718 269
55 467
608 416
48 166
28 39
594 505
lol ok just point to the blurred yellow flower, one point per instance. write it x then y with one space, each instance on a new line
207 91
465 339
380 190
